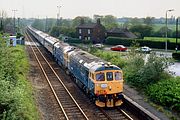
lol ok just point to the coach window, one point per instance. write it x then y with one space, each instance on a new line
100 77
109 76
118 76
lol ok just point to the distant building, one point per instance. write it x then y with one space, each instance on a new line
91 31
12 41
120 32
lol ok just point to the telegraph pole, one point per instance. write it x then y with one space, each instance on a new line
14 20
58 15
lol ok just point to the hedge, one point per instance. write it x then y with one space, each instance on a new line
149 43
73 40
176 55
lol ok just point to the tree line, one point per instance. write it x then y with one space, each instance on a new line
144 27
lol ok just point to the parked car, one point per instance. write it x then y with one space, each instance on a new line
119 48
98 45
144 49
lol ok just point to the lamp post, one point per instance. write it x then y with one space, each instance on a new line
167 28
58 14
14 20
177 35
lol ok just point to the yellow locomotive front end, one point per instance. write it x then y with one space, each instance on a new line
108 87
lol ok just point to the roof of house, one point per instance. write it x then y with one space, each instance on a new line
123 31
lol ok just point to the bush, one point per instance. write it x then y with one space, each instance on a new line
74 40
141 73
16 101
176 55
166 93
113 57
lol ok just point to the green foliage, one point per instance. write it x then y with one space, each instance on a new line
176 55
141 73
113 57
16 102
55 31
166 93
74 40
148 21
109 21
142 30
161 39
76 21
38 24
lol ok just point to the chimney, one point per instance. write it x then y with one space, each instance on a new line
98 21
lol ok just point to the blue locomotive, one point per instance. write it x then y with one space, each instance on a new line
102 81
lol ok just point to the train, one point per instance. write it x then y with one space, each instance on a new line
99 79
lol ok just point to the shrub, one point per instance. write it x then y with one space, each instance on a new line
16 101
166 93
113 57
74 40
176 55
141 73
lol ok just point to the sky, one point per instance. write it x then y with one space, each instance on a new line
74 8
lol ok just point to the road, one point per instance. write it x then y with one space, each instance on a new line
175 69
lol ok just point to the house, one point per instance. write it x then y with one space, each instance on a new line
91 31
120 32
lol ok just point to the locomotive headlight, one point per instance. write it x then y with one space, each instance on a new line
103 86
110 87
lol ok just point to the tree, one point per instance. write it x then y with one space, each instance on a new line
148 20
162 32
109 21
55 31
76 21
136 21
38 24
142 30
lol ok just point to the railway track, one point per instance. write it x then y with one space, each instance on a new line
69 106
116 114
75 106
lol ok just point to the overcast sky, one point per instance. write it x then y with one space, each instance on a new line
73 8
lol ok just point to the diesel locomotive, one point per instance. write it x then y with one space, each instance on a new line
101 81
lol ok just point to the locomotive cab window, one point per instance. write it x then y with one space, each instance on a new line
109 76
118 75
100 77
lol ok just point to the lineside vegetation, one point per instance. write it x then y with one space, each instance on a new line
149 76
16 101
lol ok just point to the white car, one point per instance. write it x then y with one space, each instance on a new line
144 49
98 45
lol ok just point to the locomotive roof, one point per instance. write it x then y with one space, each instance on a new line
91 62
51 39
85 56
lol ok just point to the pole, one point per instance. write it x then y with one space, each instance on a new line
58 15
177 34
167 28
14 20
166 32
